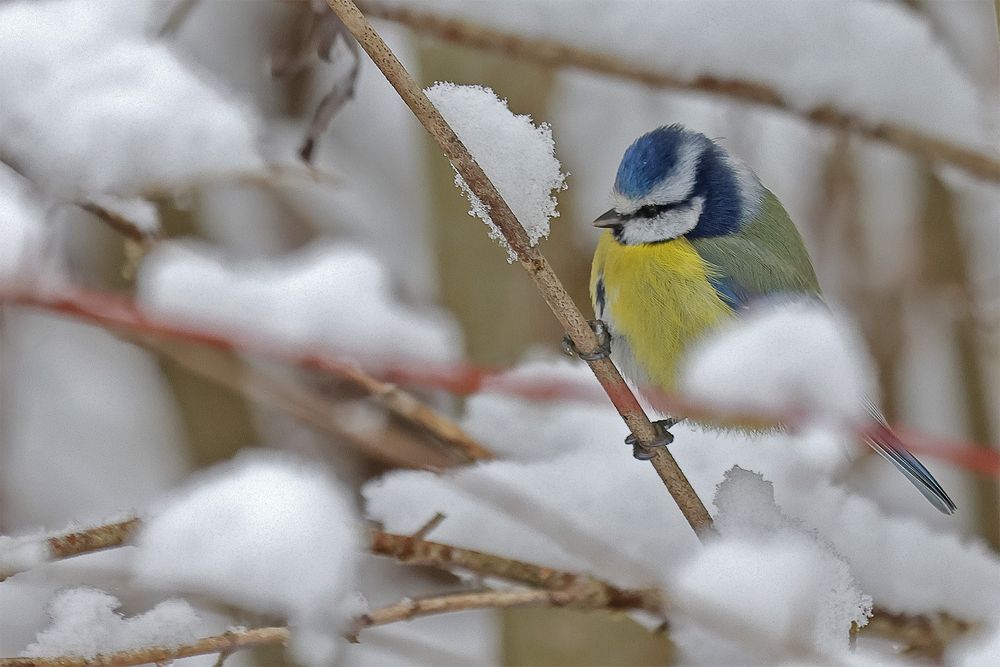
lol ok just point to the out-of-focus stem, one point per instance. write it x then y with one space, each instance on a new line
556 54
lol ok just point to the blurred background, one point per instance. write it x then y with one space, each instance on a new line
94 425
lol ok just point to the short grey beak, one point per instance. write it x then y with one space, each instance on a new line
609 219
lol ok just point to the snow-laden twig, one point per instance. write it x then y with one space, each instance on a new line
552 53
545 279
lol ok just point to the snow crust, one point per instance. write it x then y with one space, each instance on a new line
518 156
92 104
857 57
266 532
85 622
783 358
334 297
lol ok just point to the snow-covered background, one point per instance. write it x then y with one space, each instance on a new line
148 154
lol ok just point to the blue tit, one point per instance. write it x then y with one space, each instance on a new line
693 240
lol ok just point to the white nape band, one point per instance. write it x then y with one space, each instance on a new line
751 190
664 227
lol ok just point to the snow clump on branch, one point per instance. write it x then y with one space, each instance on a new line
518 156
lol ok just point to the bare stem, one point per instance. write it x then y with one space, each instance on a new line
551 53
228 642
545 279
413 550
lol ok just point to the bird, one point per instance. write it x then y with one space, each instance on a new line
694 240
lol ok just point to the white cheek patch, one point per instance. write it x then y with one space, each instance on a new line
668 225
677 188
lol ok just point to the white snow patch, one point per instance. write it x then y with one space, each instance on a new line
85 622
333 297
784 358
768 576
518 156
856 57
93 105
22 221
266 532
19 554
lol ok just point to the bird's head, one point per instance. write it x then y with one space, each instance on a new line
673 182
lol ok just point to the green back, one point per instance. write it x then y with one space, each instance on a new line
766 256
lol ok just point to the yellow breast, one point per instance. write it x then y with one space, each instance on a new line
657 300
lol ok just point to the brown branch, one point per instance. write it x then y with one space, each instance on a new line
120 223
93 539
308 406
545 279
413 550
922 634
228 642
404 610
411 608
552 53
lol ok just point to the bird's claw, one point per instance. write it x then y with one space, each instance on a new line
663 438
603 350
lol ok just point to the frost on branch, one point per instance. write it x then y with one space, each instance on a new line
91 104
786 358
265 532
518 156
334 297
85 622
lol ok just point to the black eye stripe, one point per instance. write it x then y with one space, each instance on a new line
652 210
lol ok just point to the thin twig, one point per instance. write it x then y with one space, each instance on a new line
228 642
390 445
413 550
552 53
545 279
404 610
93 539
120 223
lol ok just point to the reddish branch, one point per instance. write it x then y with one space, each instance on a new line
120 314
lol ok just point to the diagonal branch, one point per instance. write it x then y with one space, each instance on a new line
552 53
545 279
